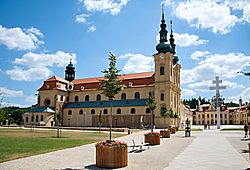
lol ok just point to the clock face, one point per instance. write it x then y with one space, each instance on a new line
162 57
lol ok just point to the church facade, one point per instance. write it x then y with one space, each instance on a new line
80 102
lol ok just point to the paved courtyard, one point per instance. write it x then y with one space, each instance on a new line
210 149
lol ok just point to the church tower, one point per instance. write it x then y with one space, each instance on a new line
70 72
167 73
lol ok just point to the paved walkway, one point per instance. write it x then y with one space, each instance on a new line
204 150
211 150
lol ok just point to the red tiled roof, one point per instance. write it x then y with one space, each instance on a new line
56 78
123 77
137 79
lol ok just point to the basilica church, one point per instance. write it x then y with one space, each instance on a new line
80 102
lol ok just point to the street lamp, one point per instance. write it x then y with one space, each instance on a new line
84 113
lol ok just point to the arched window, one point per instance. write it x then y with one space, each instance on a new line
80 112
162 71
132 111
137 95
171 70
105 111
36 118
41 117
118 111
86 98
76 98
162 96
147 110
98 97
123 96
27 119
150 94
61 98
93 111
70 112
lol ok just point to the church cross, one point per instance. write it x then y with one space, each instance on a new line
217 87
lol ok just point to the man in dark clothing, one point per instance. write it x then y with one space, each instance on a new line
245 129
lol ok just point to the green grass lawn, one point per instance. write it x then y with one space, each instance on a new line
18 143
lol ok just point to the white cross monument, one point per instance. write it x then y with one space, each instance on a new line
217 88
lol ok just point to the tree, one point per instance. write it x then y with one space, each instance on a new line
152 105
100 121
111 85
193 102
164 112
57 119
3 113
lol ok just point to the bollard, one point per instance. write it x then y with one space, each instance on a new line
129 131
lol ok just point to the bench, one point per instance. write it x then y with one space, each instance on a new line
138 146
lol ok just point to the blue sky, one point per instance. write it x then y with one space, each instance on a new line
38 38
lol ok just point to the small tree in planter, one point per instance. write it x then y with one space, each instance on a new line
152 105
111 85
110 153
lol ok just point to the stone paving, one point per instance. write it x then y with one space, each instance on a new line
210 149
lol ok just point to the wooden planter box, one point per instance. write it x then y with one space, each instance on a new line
173 130
111 157
165 133
152 140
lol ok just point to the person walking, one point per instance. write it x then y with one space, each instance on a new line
245 129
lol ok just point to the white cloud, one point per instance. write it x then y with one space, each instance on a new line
34 31
31 99
244 95
10 104
107 6
208 14
168 2
242 5
59 59
223 65
204 85
187 93
185 40
10 93
137 63
81 18
29 74
16 38
198 54
92 28
32 66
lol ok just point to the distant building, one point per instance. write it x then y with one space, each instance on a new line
79 101
228 115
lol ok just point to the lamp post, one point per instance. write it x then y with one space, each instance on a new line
84 113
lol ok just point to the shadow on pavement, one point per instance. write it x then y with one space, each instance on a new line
92 166
245 151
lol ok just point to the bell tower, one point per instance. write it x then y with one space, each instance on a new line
167 73
70 72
